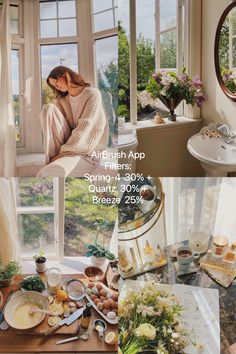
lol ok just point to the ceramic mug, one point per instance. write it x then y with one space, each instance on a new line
185 256
148 195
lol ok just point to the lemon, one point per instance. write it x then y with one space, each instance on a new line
111 338
61 295
54 321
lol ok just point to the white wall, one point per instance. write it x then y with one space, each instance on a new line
218 107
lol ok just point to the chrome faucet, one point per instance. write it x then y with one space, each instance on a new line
228 135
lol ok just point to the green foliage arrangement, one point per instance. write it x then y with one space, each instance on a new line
8 270
33 283
99 252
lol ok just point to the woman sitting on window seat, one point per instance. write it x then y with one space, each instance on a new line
76 125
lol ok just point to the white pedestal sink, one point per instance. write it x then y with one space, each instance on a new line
216 157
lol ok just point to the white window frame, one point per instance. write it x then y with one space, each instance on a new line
189 14
31 68
58 210
18 42
99 35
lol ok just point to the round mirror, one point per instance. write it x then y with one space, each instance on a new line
225 51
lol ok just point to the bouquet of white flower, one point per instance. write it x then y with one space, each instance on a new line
150 320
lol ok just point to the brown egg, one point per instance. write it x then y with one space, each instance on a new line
99 286
97 300
105 311
115 296
93 297
106 304
103 292
100 306
113 304
103 298
91 285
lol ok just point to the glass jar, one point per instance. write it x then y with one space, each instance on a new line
199 237
230 256
220 244
53 280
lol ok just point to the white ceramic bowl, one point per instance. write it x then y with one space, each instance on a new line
20 299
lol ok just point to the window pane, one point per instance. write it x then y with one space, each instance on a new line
168 14
52 56
107 71
67 28
48 28
36 232
14 19
48 10
66 9
15 66
103 21
81 217
168 50
145 23
34 191
99 5
146 30
124 60
123 14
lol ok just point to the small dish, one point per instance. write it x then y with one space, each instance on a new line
94 274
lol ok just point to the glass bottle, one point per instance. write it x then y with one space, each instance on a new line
149 253
124 263
53 280
86 316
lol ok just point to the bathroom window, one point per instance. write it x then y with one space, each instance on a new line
155 42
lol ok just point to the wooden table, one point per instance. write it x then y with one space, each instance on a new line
11 342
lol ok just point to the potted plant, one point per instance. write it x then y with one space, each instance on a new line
98 253
40 262
7 272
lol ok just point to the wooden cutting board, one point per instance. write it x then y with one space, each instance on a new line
43 326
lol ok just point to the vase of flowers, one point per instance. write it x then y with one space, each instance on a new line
150 321
171 89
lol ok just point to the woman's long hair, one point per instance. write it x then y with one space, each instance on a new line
59 71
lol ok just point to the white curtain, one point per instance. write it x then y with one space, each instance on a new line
198 201
9 240
7 130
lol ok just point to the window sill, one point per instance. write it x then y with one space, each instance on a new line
69 265
30 159
147 125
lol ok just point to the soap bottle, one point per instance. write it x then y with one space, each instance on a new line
149 253
86 316
123 262
230 256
